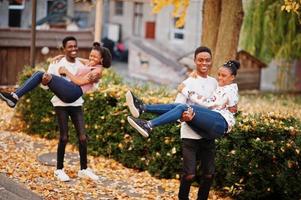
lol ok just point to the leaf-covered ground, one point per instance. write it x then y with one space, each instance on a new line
18 158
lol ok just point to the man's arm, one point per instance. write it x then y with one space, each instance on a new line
82 80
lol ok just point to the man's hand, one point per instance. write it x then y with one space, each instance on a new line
94 77
56 59
46 78
187 115
63 71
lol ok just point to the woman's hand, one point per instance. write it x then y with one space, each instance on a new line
56 59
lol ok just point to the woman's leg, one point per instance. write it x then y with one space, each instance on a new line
65 90
137 107
207 123
172 113
30 84
11 99
159 108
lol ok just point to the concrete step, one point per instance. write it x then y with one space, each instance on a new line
10 190
7 195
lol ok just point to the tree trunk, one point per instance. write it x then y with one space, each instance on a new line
211 22
222 22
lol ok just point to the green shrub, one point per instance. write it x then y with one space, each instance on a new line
260 159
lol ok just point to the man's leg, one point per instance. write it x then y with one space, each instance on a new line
62 117
77 117
207 157
189 150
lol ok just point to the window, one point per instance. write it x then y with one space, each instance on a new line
15 12
82 19
177 33
118 7
138 14
56 11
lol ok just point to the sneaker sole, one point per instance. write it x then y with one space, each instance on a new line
130 103
137 127
8 102
87 177
57 178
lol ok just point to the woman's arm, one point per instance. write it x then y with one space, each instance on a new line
82 80
84 61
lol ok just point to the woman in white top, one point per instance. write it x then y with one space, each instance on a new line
212 118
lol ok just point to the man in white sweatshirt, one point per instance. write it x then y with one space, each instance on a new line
74 111
197 150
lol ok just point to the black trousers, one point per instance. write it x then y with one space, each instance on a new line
77 117
197 153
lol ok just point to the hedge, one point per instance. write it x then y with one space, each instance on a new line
259 159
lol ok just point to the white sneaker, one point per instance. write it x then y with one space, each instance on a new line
87 173
61 175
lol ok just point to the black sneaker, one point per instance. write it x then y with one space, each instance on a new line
135 105
9 99
140 125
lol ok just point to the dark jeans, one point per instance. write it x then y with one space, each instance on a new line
207 123
65 90
77 117
197 152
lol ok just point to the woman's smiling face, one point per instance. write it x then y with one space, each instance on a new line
224 76
95 58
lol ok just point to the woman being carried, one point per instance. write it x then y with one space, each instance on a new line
209 124
68 91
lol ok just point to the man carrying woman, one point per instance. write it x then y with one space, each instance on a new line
67 101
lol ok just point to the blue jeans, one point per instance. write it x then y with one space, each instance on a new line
207 123
65 90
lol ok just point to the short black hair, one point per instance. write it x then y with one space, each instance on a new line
68 38
202 49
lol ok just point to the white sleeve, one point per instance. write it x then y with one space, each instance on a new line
200 100
185 91
52 69
233 97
